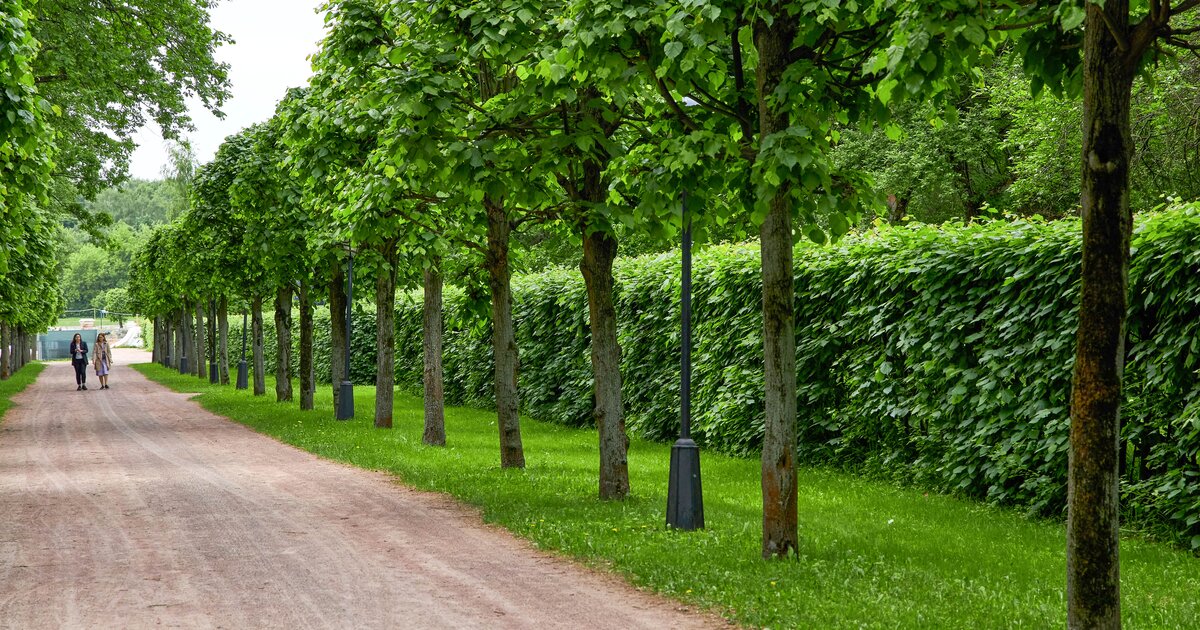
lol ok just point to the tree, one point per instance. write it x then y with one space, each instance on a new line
1116 42
112 67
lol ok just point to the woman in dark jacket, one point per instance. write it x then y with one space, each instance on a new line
79 352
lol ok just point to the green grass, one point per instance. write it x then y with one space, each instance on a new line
871 556
17 384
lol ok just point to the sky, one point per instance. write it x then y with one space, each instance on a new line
273 40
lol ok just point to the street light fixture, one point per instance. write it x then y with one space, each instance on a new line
213 373
685 500
243 378
345 410
184 328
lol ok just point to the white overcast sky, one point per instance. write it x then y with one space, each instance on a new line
273 40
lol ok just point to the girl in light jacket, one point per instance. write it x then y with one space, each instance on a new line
102 359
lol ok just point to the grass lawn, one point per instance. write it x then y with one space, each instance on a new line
871 556
17 383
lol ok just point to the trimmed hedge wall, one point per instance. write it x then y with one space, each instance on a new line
940 356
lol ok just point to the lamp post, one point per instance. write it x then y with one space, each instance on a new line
213 373
685 501
185 328
345 410
243 377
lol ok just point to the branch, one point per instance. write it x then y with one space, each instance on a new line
432 230
1119 37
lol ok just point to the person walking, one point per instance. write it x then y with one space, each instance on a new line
102 359
79 360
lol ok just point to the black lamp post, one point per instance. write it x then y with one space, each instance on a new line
685 501
183 360
345 410
213 373
243 377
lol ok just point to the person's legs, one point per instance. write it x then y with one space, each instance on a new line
80 374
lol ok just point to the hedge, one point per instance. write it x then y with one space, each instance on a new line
938 356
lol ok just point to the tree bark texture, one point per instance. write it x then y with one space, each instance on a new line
385 340
337 330
307 387
435 403
180 339
779 493
223 340
256 346
504 343
185 317
1093 567
199 360
599 252
5 352
283 340
156 351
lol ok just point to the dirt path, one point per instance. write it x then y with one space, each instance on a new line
133 507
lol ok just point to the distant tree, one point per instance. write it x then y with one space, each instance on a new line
139 202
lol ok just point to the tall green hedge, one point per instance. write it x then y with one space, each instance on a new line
939 356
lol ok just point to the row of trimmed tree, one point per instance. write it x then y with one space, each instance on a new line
434 132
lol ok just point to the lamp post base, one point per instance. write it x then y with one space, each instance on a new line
685 500
213 375
345 410
183 366
243 378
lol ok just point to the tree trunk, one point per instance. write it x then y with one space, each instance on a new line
306 347
1093 576
504 344
199 361
385 340
256 345
156 351
779 344
897 208
5 353
19 352
435 403
177 352
283 340
599 252
337 331
223 340
210 355
189 341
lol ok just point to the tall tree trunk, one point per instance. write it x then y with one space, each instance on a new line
337 331
283 340
504 343
435 403
1093 479
256 346
177 352
210 355
223 340
599 252
385 339
189 339
306 347
19 352
156 351
5 353
780 538
199 362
